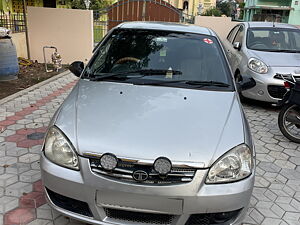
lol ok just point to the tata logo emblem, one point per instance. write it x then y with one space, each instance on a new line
140 175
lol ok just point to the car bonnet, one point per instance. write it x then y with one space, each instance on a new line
146 122
277 59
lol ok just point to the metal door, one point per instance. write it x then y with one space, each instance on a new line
142 10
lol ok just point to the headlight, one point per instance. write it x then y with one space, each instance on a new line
108 161
59 150
162 165
257 66
233 166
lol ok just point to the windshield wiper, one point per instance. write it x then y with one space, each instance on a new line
282 50
207 83
141 73
188 82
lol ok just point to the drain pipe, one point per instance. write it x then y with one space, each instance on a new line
26 28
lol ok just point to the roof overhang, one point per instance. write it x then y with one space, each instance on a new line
270 7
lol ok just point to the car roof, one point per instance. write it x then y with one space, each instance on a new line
270 24
167 26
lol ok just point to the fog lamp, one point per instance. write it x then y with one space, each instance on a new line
162 165
108 161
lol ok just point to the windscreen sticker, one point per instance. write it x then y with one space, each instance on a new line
163 52
208 41
161 39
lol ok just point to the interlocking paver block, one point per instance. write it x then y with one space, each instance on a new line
17 168
271 221
35 165
7 132
18 189
30 176
32 200
7 160
44 213
29 158
8 203
16 151
7 179
257 216
38 186
61 220
37 149
1 191
40 222
19 216
292 216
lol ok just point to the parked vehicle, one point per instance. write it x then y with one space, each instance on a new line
146 135
289 116
262 49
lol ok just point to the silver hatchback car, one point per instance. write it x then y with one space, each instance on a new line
153 133
261 50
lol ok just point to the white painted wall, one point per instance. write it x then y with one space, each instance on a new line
70 30
19 40
221 25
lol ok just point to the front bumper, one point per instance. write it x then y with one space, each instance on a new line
104 195
268 88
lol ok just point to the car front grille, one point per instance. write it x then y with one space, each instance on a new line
125 171
139 217
279 77
276 91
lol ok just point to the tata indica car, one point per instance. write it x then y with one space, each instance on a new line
263 50
153 133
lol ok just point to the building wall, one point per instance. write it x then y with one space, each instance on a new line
293 17
268 3
16 6
193 5
221 25
70 30
19 40
207 4
295 14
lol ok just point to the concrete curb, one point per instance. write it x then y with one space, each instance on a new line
15 95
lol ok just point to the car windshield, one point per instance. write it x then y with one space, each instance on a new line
160 56
274 39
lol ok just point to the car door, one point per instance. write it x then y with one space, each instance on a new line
228 44
237 53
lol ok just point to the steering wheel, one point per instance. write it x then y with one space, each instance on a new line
125 59
255 43
258 43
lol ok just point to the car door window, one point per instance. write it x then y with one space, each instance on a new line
232 33
297 40
240 35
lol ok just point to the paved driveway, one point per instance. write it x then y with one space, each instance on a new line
24 119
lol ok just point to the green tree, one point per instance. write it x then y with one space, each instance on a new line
212 12
224 7
94 4
78 4
242 8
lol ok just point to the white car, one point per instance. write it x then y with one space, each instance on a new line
261 50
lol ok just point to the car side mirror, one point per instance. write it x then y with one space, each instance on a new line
246 83
237 45
76 68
